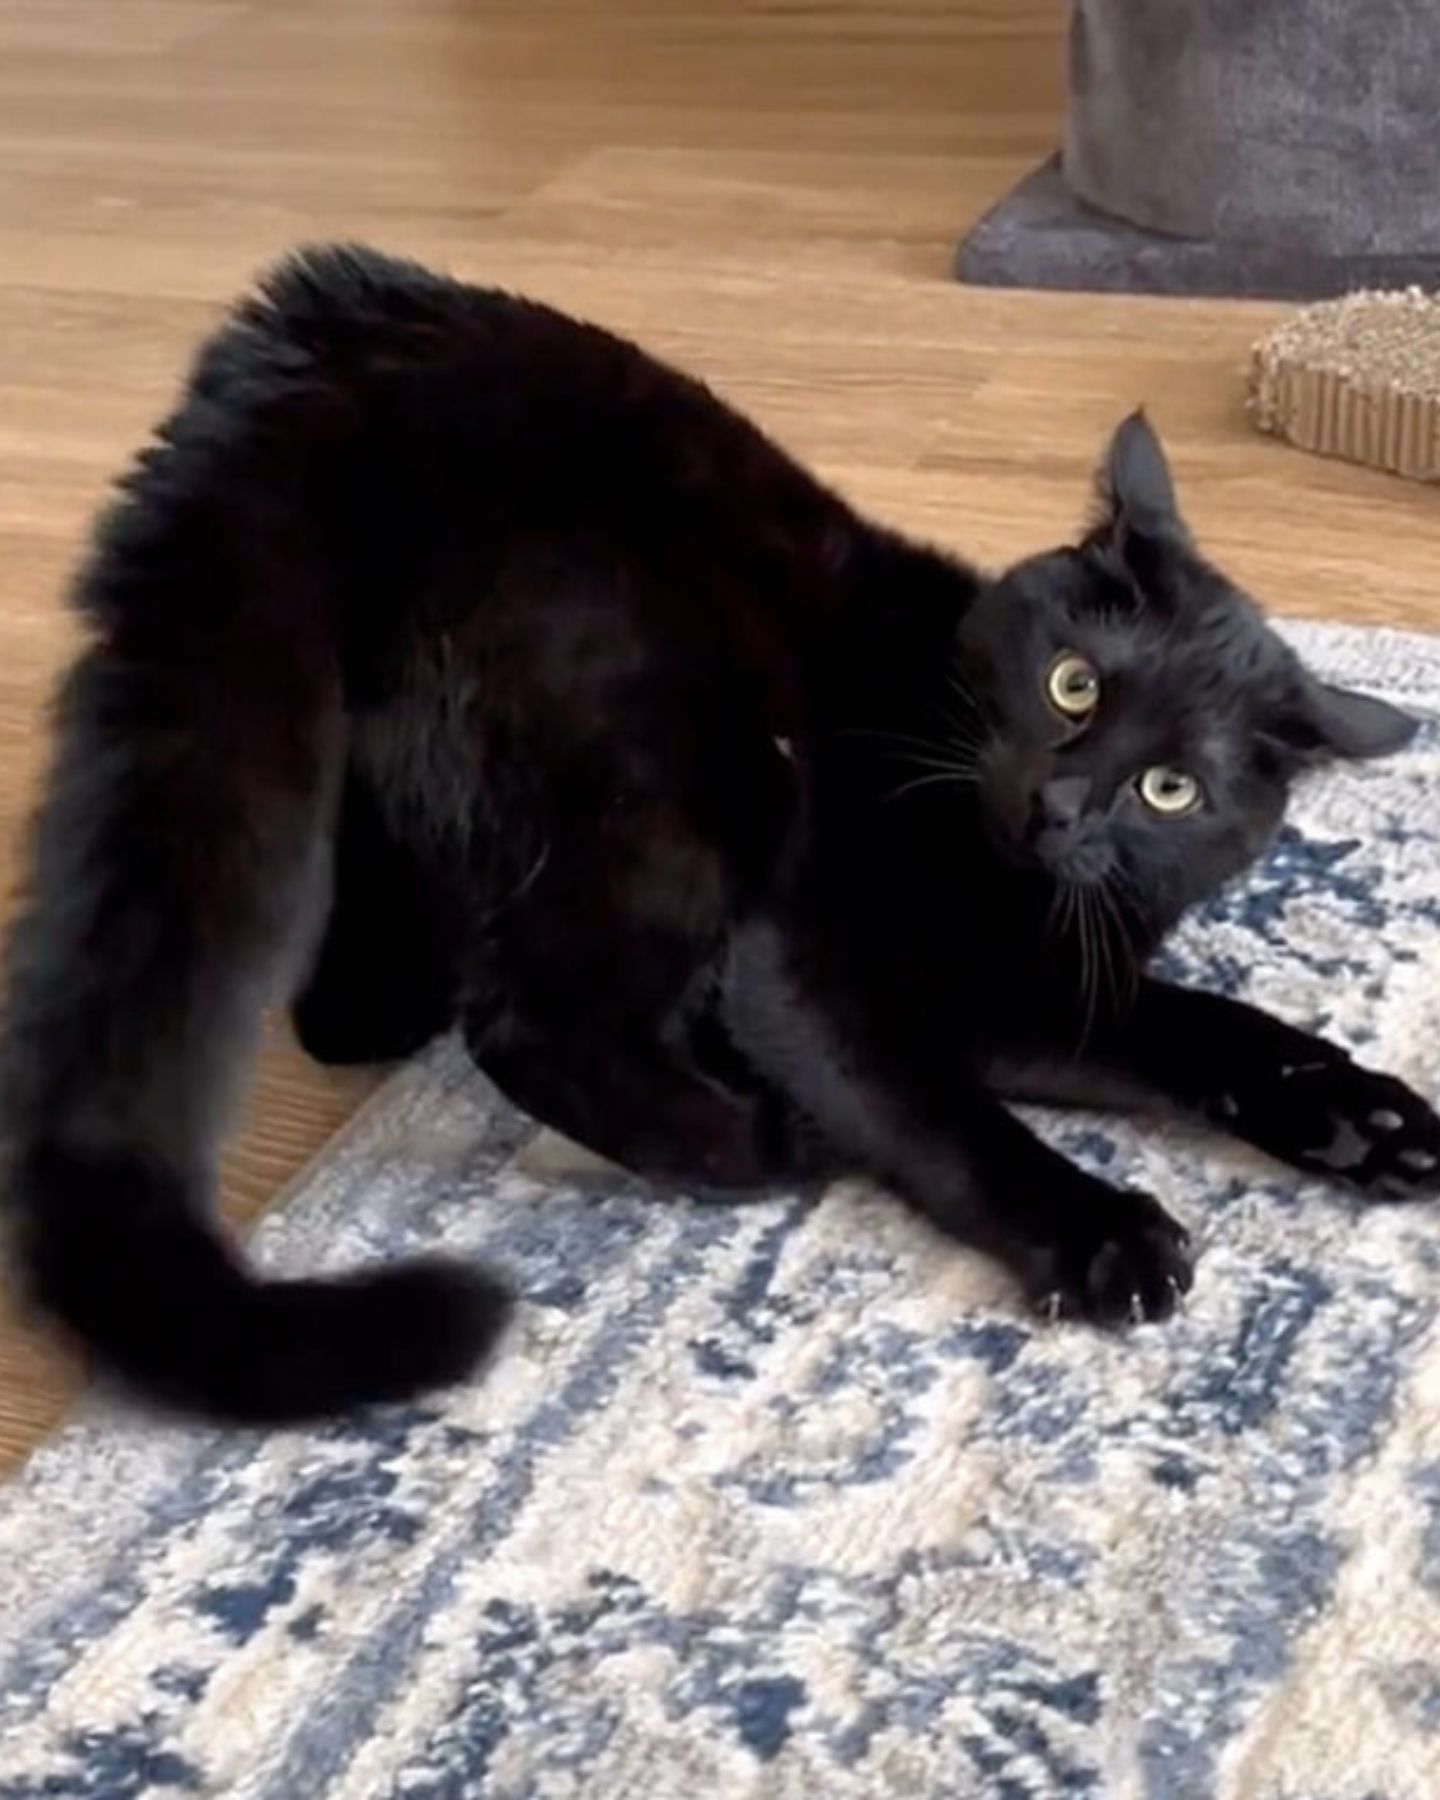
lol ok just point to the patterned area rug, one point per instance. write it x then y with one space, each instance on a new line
793 1499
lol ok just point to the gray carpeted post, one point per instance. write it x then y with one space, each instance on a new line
1261 147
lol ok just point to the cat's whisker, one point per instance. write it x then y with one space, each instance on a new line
1062 907
1127 964
1124 882
944 752
1073 915
956 778
1098 975
1098 963
967 746
1131 965
1082 918
961 692
518 892
967 737
971 721
918 739
967 765
1104 918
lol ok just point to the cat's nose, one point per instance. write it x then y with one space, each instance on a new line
1062 801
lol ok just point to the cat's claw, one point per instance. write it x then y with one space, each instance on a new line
1128 1264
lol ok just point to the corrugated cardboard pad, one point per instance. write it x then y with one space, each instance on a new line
1358 378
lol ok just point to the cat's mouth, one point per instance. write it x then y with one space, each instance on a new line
1079 854
1076 859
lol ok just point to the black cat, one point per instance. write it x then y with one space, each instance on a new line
744 840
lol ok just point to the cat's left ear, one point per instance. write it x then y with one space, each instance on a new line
1135 486
1321 722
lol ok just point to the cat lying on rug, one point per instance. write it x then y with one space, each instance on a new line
510 680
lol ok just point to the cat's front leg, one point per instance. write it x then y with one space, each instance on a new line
1296 1096
894 1102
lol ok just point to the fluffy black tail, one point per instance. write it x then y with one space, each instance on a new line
178 855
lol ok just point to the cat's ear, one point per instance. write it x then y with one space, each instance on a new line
1320 722
1135 488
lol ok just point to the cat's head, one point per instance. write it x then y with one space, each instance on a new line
1143 723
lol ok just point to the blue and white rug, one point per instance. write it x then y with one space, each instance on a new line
795 1501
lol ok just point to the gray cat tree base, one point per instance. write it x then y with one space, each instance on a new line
1282 148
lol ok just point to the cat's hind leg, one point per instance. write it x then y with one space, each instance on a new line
642 1103
383 982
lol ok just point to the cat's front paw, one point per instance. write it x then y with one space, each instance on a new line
1334 1118
1123 1260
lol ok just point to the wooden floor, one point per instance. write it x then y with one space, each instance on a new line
768 192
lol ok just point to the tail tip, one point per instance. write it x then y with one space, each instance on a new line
116 1252
425 1324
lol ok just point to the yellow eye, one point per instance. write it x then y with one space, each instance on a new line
1073 685
1169 791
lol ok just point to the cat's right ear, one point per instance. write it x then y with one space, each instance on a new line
1135 488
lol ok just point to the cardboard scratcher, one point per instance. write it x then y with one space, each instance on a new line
1358 378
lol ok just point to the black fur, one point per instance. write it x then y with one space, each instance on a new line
466 660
